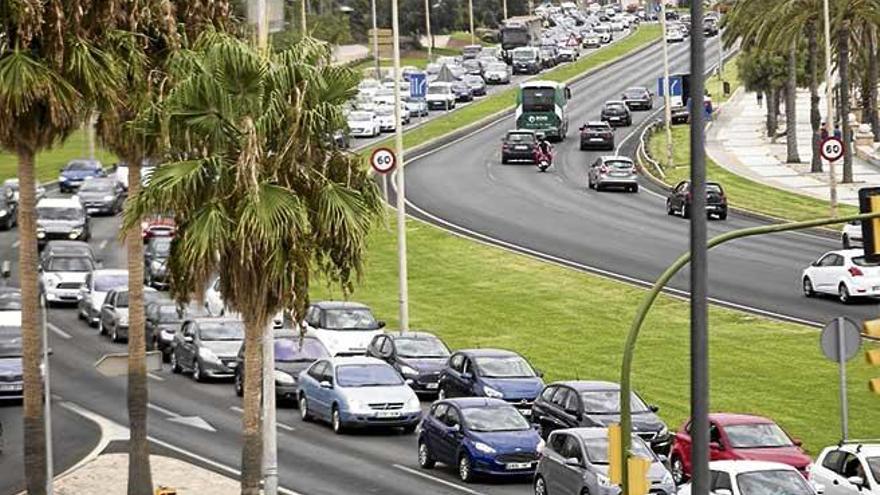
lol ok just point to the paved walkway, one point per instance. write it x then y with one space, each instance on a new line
737 141
349 53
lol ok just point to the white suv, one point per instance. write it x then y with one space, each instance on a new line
849 469
440 96
851 235
345 328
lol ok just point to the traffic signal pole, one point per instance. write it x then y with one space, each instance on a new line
645 306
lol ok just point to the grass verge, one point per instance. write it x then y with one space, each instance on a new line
49 162
572 325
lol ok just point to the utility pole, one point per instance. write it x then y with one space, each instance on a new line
376 41
270 431
699 263
303 18
47 399
428 27
829 117
667 98
504 6
401 182
471 17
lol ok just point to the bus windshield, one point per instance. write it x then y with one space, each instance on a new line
538 99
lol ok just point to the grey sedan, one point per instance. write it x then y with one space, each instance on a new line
575 461
207 347
613 171
104 195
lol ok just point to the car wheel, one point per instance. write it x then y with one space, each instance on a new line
678 474
101 327
669 210
336 421
239 386
634 188
425 459
846 242
409 429
843 294
589 182
540 486
722 215
504 160
175 364
685 213
197 372
114 335
465 473
304 412
441 394
808 288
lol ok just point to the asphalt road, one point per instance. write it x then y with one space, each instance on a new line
553 215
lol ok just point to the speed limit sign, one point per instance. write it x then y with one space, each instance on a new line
831 149
383 160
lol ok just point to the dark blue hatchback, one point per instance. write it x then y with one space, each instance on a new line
479 436
76 172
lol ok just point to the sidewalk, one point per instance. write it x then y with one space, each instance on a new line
343 54
736 141
108 473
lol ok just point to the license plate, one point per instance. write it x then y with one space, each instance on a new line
526 412
619 174
613 118
595 139
388 414
518 465
7 387
521 147
432 386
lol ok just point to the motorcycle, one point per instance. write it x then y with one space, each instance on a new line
543 160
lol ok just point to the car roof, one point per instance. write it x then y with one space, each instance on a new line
867 449
109 271
340 305
487 352
418 334
471 402
598 123
586 385
749 466
59 203
542 84
616 158
520 131
213 319
737 419
614 102
343 360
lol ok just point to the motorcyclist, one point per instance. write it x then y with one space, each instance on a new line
545 148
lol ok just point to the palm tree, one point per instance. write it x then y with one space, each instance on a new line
52 67
260 194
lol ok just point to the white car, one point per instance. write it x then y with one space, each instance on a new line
497 73
674 35
368 86
849 469
216 306
62 277
384 96
851 235
385 114
440 96
416 107
10 189
345 328
592 40
755 478
363 124
95 289
843 273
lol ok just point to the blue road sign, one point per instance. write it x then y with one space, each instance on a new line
418 85
675 86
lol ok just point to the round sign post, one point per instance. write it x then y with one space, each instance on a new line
831 149
383 160
840 341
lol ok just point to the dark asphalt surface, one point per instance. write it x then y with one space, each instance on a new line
465 188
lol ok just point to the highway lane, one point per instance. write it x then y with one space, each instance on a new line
464 187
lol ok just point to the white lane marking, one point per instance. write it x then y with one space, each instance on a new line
16 244
162 410
57 331
435 479
237 409
194 422
102 245
114 431
155 377
285 427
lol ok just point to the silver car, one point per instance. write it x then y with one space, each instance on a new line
613 171
207 347
497 73
575 461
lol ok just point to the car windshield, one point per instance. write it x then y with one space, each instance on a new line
608 402
494 418
634 93
106 283
775 482
874 464
384 111
619 164
420 347
437 90
77 165
367 375
359 116
161 246
10 342
521 137
97 186
58 213
523 55
497 67
597 449
228 330
349 319
65 264
504 367
10 300
757 435
122 298
599 128
168 313
292 350
617 107
473 79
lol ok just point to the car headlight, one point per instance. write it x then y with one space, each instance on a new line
413 403
123 321
41 234
3 213
166 335
491 392
355 405
408 371
482 447
603 480
208 355
667 478
156 265
109 198
62 178
283 378
664 431
540 447
51 280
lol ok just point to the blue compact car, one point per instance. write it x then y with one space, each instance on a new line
479 436
493 373
76 171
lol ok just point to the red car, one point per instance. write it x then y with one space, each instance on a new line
157 227
739 436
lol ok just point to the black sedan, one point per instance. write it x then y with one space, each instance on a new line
102 195
679 200
8 213
462 91
163 318
616 113
293 354
638 98
417 356
597 135
156 254
518 145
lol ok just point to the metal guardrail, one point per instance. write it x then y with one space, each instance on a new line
642 153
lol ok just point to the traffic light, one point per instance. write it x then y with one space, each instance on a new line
869 202
638 475
615 454
871 328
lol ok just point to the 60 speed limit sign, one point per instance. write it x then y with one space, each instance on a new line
383 160
831 149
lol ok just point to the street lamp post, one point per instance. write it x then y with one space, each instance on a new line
471 18
47 399
504 8
829 117
401 183
376 42
667 98
428 27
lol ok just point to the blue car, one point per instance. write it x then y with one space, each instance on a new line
494 373
357 392
479 436
76 171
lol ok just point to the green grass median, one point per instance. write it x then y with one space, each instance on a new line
48 163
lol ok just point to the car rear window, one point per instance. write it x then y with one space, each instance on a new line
619 164
714 188
861 261
521 138
614 106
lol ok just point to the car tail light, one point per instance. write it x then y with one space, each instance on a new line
504 146
855 271
608 135
603 169
688 195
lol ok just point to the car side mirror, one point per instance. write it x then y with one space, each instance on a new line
456 428
797 441
49 351
5 269
539 373
716 446
654 408
326 384
571 461
856 481
187 338
381 323
467 376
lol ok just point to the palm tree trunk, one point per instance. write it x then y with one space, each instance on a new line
140 480
815 115
34 426
252 449
873 116
772 113
790 107
843 68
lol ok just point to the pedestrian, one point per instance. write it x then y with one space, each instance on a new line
760 96
707 106
823 132
837 132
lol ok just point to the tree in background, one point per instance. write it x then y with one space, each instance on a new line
764 72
